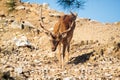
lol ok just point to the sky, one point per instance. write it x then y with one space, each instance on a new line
105 11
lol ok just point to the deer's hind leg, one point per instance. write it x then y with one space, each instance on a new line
59 54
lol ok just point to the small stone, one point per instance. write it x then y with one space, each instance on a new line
69 78
20 7
22 41
19 70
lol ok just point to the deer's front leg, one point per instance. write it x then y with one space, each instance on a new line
63 55
59 54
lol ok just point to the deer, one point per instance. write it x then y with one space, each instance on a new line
61 36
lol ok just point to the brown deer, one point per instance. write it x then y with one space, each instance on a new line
62 35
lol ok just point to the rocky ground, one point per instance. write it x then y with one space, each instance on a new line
25 51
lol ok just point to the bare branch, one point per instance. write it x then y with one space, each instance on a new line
44 28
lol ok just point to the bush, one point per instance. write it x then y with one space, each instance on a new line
11 5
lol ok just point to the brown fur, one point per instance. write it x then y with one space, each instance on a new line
62 35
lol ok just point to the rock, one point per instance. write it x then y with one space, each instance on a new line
22 25
69 78
15 24
27 23
22 41
19 70
107 74
36 61
110 50
20 7
54 15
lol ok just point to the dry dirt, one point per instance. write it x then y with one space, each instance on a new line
94 52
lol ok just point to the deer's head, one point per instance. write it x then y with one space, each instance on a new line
54 38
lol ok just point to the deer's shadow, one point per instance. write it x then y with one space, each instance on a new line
80 58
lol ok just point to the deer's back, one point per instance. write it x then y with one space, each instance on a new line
63 24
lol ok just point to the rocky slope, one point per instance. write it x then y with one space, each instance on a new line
25 51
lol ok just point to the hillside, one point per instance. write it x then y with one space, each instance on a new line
25 52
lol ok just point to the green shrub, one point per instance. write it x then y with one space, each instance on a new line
11 5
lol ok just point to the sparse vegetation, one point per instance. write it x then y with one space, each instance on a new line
94 52
71 4
11 5
7 76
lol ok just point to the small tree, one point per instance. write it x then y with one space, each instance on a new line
71 4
